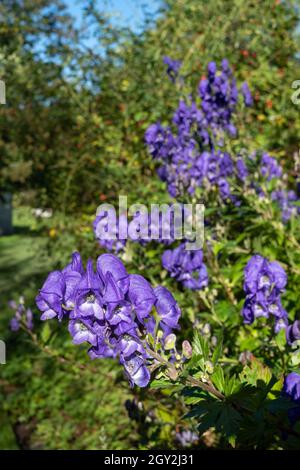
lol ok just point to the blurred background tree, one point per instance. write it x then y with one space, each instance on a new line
80 98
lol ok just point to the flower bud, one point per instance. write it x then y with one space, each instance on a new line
187 350
170 342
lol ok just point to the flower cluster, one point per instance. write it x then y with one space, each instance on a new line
189 158
109 309
287 201
264 283
219 97
186 266
21 314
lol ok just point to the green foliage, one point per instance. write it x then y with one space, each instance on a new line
71 137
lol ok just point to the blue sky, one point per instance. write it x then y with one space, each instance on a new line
124 12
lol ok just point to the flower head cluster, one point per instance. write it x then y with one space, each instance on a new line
189 157
287 201
186 266
21 314
264 283
219 95
109 309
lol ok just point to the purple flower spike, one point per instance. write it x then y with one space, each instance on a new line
109 309
248 100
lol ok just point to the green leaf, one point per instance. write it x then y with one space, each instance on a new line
218 350
200 346
218 379
256 372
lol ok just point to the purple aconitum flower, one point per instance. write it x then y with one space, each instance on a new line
264 283
293 332
269 167
187 438
219 95
22 315
173 67
188 155
291 390
186 267
291 386
167 309
50 298
110 310
287 201
242 169
248 100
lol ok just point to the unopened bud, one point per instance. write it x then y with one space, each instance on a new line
170 342
159 334
187 350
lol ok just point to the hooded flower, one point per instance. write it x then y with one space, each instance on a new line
110 263
291 386
167 308
88 296
141 295
293 332
50 298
